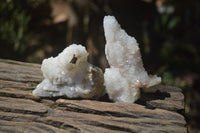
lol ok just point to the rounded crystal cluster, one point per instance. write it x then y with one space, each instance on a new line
69 74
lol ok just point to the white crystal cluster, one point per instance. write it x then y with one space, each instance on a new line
69 74
126 73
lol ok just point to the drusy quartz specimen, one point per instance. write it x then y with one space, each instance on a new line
69 74
126 73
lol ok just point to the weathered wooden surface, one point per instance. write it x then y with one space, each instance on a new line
20 111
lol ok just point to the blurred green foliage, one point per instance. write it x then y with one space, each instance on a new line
14 23
16 34
167 78
178 28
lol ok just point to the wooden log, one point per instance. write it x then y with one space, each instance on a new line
20 111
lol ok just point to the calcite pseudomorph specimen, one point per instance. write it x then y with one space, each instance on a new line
126 73
69 74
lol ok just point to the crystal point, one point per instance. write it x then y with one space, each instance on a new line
126 73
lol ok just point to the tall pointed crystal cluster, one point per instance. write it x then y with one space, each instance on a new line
126 73
69 74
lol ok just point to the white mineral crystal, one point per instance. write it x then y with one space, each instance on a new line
127 73
69 74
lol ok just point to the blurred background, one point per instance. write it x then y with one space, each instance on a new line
168 32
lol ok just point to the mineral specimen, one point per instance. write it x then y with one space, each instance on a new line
127 73
69 74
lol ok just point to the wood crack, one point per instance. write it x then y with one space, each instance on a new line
96 112
111 127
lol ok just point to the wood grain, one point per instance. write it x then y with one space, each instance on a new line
20 111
